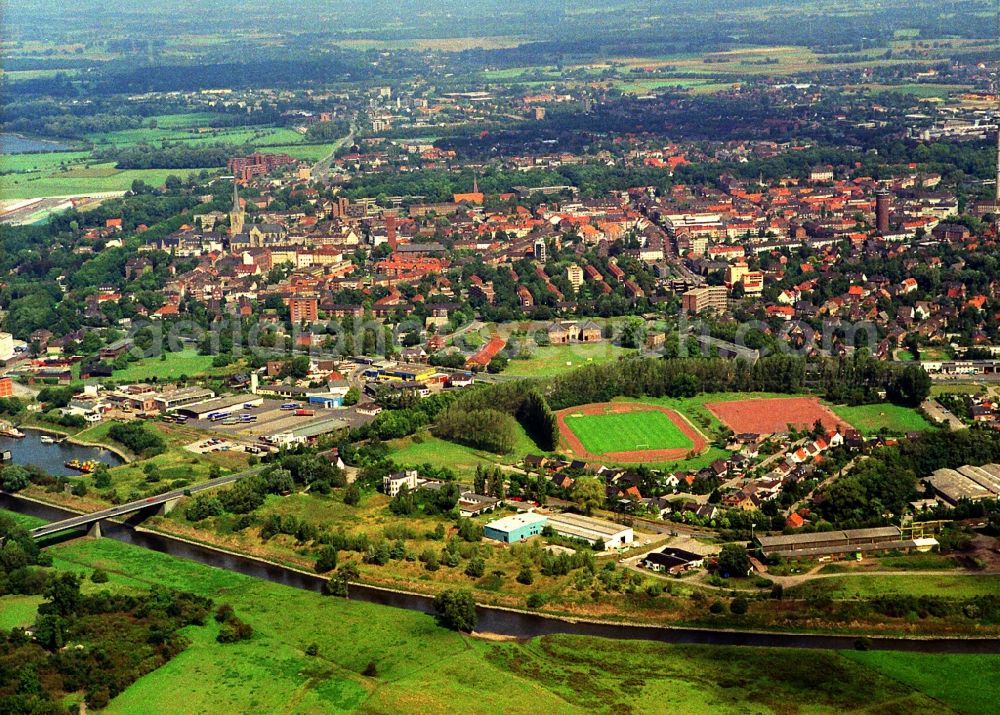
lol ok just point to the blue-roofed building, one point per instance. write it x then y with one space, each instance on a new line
517 527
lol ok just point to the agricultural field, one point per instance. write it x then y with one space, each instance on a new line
421 667
47 161
872 419
76 180
554 359
771 415
627 432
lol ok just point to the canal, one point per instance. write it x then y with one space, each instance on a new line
498 620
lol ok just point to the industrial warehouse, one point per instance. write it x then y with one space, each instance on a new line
967 482
519 527
840 543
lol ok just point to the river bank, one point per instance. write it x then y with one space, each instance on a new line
125 456
52 458
501 620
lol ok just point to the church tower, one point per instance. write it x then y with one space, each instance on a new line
237 216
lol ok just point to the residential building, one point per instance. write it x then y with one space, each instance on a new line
392 483
714 298
673 560
303 309
574 274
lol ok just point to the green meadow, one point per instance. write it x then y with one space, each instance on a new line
414 666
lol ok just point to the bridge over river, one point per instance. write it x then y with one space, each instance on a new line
163 501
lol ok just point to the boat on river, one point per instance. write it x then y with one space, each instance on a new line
86 467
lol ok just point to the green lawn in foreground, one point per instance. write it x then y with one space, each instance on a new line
870 419
967 683
423 669
627 431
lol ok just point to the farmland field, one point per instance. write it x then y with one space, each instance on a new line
81 182
771 415
871 419
628 431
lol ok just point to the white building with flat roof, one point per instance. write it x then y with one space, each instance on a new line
6 346
589 529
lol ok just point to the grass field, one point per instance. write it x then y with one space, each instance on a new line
425 669
41 162
428 449
871 419
627 432
963 682
922 90
186 362
76 181
18 611
307 152
72 173
869 586
553 359
956 388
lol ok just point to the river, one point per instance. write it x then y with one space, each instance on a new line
17 144
52 457
498 620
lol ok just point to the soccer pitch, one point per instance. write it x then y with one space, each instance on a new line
627 432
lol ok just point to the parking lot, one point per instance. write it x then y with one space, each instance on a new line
270 419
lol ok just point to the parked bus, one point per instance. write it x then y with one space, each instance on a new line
216 416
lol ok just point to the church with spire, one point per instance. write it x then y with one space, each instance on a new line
237 216
472 197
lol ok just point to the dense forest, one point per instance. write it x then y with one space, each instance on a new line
856 379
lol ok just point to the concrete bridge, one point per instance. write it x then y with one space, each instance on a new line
162 503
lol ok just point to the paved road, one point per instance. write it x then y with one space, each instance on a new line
321 169
938 413
121 510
